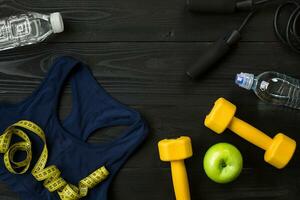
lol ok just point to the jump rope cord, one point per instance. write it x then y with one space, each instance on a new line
246 20
285 23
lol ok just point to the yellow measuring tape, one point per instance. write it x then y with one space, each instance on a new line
51 174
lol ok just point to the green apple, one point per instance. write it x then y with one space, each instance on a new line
223 163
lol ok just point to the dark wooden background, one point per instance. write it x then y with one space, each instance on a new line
139 50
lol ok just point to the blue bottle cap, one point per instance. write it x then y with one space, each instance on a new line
244 80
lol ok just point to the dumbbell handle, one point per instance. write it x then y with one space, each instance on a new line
250 133
180 180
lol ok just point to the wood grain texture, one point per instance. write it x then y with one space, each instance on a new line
142 20
150 77
139 50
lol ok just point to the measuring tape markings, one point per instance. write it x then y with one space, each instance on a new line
51 174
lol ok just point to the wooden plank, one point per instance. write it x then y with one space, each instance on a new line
252 184
145 72
142 20
151 184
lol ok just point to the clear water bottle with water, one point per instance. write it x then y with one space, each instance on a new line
28 28
272 87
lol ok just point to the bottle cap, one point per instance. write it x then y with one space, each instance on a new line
244 80
56 22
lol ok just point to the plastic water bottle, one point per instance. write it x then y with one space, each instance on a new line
28 28
272 87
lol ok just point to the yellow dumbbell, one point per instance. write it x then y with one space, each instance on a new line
279 150
175 151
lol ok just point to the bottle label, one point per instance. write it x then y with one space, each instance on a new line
20 26
264 85
3 31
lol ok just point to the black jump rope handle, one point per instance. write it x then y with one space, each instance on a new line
219 6
215 52
222 46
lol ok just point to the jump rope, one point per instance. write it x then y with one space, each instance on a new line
286 27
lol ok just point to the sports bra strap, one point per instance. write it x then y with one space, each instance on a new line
59 72
47 94
92 106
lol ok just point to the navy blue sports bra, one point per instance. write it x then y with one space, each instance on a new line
92 109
